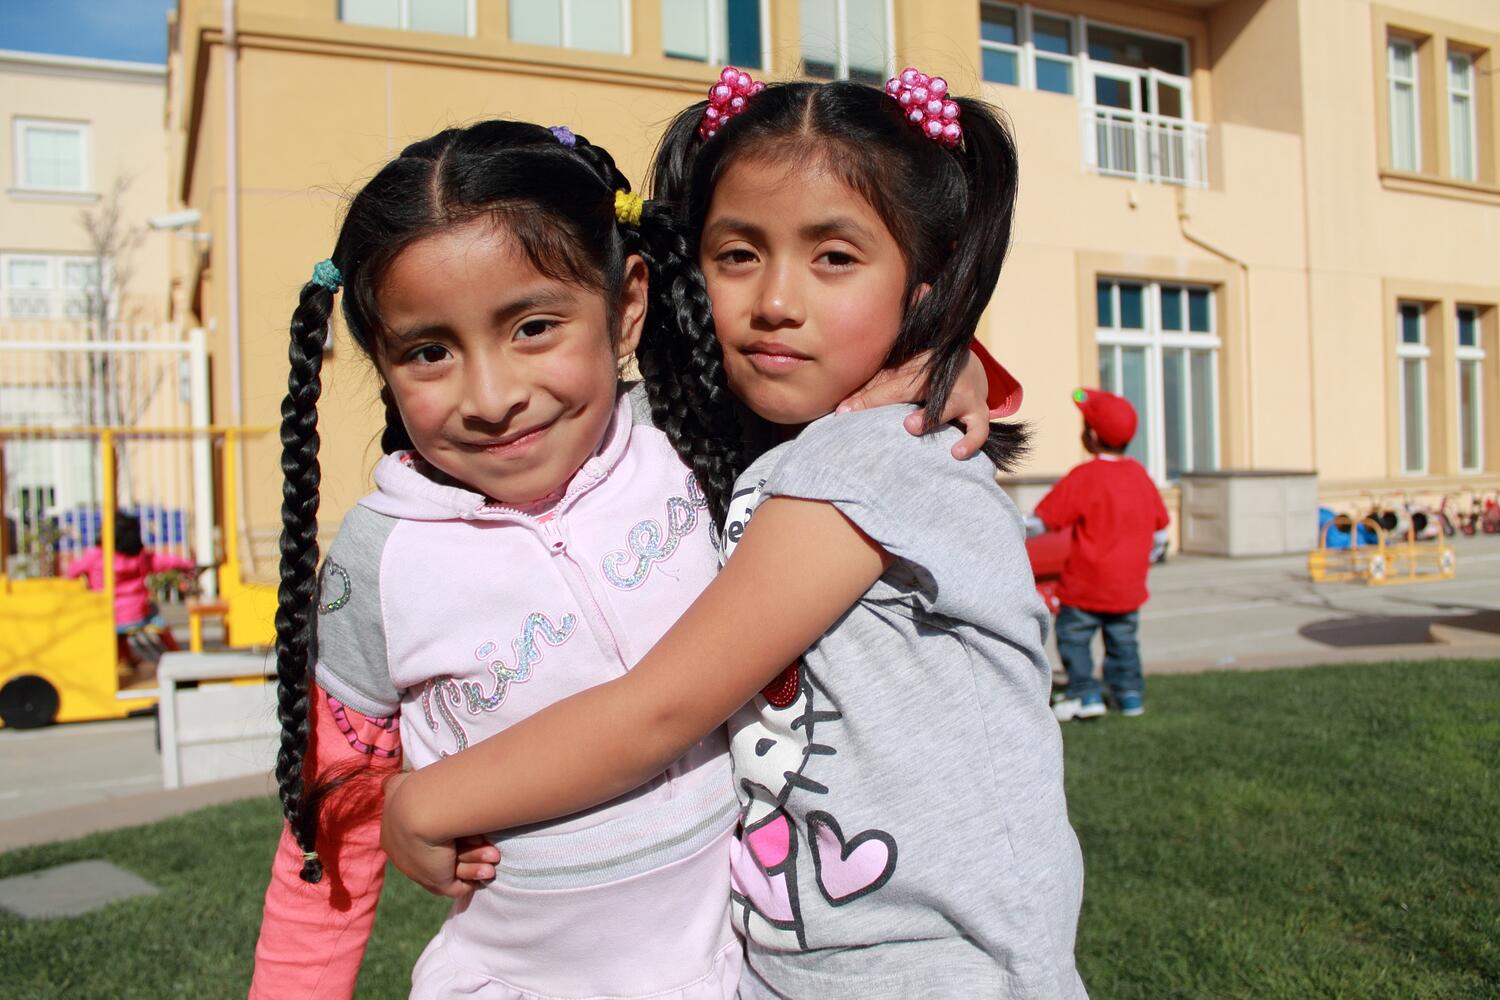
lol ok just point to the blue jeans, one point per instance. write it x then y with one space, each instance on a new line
1122 652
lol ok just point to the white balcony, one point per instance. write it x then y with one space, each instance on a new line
1146 147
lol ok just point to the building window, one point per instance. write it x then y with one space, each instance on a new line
847 40
45 286
1025 47
715 31
1401 71
1462 159
1470 391
1412 353
1158 347
443 17
591 25
51 155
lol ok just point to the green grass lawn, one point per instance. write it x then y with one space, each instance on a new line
1332 832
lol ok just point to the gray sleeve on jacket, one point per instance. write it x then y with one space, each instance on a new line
958 534
351 650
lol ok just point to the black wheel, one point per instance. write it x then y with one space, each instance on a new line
28 702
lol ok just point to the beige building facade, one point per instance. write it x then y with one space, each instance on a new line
1274 224
84 157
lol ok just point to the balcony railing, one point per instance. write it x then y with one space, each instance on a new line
1120 143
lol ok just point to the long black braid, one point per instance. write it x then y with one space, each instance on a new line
297 594
556 199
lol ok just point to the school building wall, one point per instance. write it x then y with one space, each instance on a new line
1302 234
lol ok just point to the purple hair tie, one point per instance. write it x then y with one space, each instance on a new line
925 101
564 135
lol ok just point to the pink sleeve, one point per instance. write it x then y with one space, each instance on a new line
85 562
162 562
313 937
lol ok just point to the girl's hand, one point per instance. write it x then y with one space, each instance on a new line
477 858
433 866
908 384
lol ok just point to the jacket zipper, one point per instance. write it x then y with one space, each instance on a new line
608 641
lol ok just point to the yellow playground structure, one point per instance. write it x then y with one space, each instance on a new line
1383 561
58 643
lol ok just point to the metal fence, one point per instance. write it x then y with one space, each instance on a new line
1157 148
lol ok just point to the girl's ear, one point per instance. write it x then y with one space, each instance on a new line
919 293
634 286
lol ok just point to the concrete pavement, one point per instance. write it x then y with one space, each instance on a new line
1205 614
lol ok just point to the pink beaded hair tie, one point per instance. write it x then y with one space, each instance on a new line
927 105
726 99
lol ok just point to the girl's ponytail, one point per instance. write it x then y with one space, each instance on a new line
966 281
297 595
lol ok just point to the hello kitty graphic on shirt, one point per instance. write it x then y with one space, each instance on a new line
775 743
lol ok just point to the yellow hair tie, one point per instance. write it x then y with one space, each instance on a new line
628 207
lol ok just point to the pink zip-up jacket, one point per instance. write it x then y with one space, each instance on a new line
444 618
132 599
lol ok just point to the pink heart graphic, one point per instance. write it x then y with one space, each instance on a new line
849 869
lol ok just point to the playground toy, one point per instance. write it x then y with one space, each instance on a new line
1346 552
58 646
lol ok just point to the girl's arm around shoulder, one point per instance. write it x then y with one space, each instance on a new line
313 936
799 566
949 522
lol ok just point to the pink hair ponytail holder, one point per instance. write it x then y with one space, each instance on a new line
727 98
927 106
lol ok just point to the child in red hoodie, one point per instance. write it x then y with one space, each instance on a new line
1118 525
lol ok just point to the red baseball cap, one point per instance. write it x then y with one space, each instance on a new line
1110 417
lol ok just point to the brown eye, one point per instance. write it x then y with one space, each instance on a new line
428 354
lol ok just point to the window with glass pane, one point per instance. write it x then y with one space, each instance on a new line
1470 404
1468 327
845 39
375 13
1000 43
591 25
1127 48
714 31
1411 323
1152 352
1401 72
446 17
820 38
1461 159
1414 414
52 156
1052 42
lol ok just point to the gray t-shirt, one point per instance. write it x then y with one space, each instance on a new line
905 830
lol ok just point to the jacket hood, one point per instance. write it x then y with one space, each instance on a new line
406 486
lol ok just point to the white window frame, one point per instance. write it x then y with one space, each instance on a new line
1025 50
565 8
841 19
716 55
1393 82
1466 171
404 7
1469 355
1420 352
1156 341
18 143
58 296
